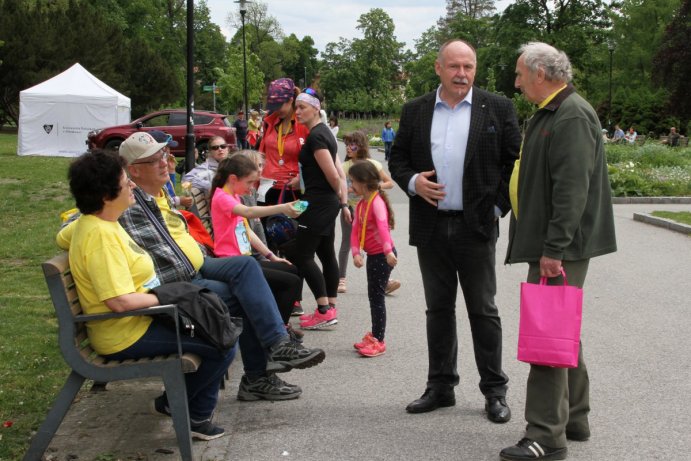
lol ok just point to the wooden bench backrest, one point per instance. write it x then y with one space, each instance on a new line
72 336
63 291
201 204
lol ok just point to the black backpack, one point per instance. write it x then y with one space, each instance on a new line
201 313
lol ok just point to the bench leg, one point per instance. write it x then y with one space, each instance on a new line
177 402
55 416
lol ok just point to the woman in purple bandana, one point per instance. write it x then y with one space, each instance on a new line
323 186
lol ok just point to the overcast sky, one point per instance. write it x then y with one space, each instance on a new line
325 21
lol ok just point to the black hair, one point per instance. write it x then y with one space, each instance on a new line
94 178
364 171
239 165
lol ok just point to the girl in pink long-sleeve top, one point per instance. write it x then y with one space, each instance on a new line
372 222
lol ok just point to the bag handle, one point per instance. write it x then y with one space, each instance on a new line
283 191
543 280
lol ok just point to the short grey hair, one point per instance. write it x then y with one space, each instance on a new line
555 63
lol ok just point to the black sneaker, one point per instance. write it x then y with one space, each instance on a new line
287 355
159 406
297 309
206 430
528 449
269 387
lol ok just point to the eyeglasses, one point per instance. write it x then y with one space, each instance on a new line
220 146
163 158
310 91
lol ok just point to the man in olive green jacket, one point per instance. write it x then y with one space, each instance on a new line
561 217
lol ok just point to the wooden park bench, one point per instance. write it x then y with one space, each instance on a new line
201 208
87 364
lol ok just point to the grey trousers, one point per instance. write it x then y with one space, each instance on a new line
558 399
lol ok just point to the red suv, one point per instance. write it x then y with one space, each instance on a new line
173 122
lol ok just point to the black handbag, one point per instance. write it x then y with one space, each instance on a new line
201 313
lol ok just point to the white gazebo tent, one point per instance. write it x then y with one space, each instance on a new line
55 116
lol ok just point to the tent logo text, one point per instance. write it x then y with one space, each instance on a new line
48 128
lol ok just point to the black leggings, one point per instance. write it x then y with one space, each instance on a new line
301 251
378 272
285 283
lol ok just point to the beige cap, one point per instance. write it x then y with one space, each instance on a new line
138 146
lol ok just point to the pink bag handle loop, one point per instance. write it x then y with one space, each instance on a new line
281 197
543 280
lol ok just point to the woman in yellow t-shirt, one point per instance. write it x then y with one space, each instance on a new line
113 273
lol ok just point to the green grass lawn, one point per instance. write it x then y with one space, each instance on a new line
683 217
372 127
33 192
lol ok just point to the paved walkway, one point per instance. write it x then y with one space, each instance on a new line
637 345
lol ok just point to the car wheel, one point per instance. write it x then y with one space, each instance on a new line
113 144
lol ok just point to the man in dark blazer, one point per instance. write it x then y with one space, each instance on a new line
453 155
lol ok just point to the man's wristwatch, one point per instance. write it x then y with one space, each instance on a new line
343 205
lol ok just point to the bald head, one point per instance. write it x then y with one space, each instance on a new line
456 66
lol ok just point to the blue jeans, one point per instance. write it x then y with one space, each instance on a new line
202 386
240 283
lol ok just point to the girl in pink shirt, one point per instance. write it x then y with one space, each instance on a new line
372 221
233 235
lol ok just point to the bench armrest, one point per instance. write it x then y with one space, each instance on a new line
168 309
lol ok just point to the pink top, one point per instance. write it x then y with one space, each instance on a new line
230 230
377 234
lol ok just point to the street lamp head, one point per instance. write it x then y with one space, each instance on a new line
243 5
611 45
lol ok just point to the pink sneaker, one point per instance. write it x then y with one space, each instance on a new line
319 320
373 349
366 340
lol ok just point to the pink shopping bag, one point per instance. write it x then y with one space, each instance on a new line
550 326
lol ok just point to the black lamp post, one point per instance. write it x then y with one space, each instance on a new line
610 46
243 10
189 136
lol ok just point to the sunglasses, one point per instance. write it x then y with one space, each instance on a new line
163 158
353 146
220 146
310 92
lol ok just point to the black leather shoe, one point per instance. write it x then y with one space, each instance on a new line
431 400
497 409
528 449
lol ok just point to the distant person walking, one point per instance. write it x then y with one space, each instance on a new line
387 137
240 125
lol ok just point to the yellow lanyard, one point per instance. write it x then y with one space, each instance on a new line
281 142
364 220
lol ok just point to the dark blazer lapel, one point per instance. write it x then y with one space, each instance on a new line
477 120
